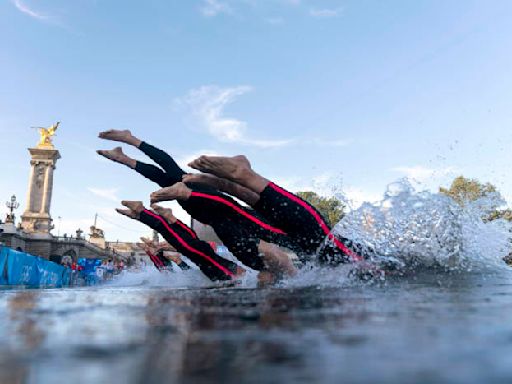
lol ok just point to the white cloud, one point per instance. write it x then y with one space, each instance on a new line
207 105
211 8
22 7
325 12
421 174
105 193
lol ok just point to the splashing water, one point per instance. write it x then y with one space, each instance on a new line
407 230
423 229
149 276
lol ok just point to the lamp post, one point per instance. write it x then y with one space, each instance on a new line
11 205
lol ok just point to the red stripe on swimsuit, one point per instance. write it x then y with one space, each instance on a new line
158 263
185 245
320 221
186 228
240 211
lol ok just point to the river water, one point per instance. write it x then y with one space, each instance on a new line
426 327
443 316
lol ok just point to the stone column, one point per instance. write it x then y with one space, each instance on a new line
36 218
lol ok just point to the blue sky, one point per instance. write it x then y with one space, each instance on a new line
318 94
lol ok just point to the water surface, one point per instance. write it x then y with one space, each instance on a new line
426 328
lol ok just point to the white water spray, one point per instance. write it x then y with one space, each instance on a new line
424 229
407 229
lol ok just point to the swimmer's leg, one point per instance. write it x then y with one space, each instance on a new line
122 136
296 216
149 171
178 191
198 251
159 264
236 168
173 173
117 155
163 159
224 185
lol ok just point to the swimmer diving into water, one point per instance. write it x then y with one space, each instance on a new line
185 241
238 227
301 221
159 258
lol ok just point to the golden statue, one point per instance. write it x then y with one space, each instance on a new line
46 135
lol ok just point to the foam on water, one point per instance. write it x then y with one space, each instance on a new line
149 276
424 229
408 229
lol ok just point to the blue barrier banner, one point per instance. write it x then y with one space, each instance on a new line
66 277
3 262
21 269
50 273
25 269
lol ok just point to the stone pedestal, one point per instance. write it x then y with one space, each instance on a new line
36 218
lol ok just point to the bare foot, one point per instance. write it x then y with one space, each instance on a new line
175 256
178 191
128 212
117 155
204 178
232 168
224 185
160 246
148 242
166 213
124 136
135 206
147 246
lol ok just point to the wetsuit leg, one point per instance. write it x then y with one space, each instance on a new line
153 173
159 261
163 159
155 260
212 207
240 229
183 266
240 242
168 264
173 172
225 207
300 220
199 252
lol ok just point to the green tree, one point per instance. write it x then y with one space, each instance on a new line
463 190
501 214
330 207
